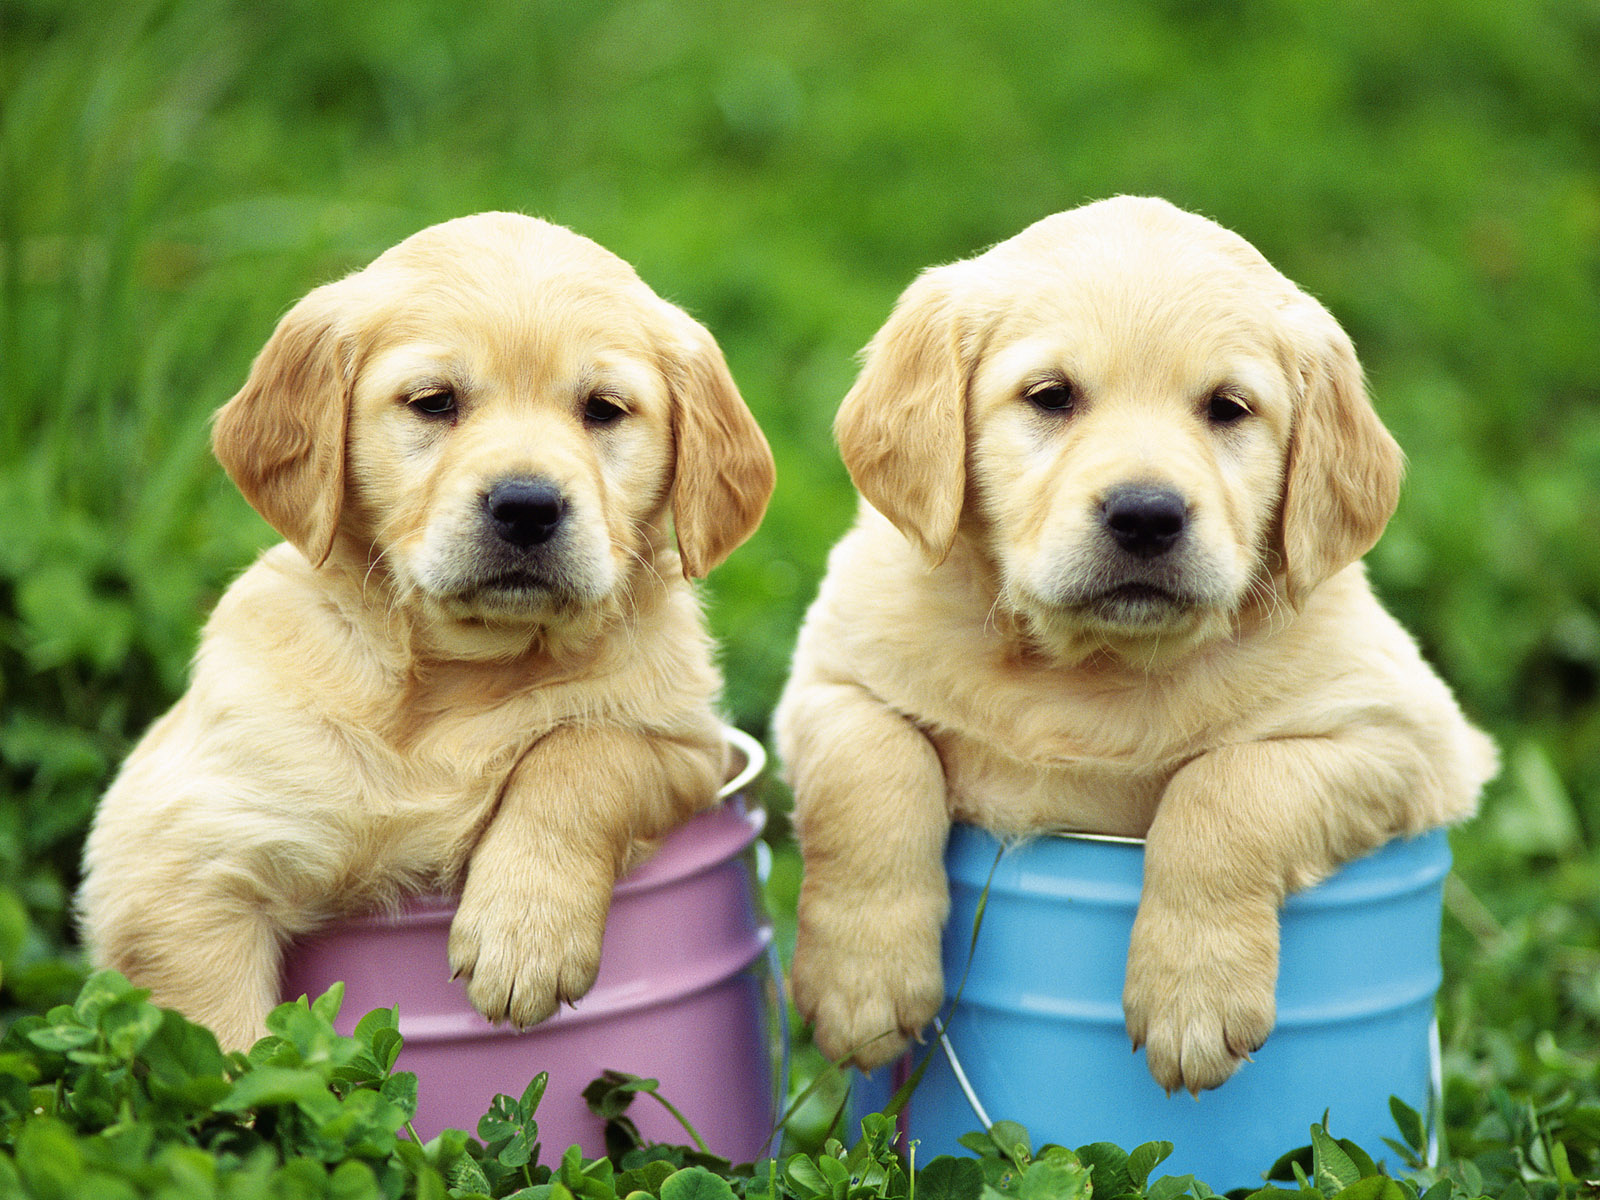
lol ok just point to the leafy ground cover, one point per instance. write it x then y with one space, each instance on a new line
111 1097
174 173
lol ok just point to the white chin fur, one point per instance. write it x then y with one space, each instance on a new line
1141 632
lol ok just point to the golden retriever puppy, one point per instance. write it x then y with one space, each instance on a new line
476 661
1118 472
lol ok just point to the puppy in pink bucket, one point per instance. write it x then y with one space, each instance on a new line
496 457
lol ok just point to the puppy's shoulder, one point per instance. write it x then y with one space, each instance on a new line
662 664
280 576
1344 657
285 625
1347 664
864 606
1344 629
877 580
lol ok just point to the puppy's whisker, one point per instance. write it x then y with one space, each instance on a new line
1262 593
991 619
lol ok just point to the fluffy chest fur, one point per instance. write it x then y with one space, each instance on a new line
1026 745
363 773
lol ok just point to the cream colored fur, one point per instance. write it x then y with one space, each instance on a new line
981 651
398 699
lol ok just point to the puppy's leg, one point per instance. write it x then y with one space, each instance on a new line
1236 830
527 933
216 962
871 816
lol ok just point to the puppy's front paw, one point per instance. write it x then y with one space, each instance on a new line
868 976
1199 995
523 950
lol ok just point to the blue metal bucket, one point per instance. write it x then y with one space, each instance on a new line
1039 1036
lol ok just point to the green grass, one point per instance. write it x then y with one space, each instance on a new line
175 173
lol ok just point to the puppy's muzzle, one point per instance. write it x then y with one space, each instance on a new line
1144 520
525 512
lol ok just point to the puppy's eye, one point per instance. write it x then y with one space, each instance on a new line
1225 409
434 402
1056 396
601 410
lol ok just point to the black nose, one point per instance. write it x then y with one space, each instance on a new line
1145 520
525 512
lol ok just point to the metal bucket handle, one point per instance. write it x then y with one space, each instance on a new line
755 762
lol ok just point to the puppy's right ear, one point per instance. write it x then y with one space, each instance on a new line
902 428
282 438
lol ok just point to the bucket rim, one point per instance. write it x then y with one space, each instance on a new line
1112 839
1121 839
1107 868
599 1005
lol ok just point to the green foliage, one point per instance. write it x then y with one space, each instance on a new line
110 1096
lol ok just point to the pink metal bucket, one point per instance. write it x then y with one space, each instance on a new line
682 996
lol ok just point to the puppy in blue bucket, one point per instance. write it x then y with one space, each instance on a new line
1118 475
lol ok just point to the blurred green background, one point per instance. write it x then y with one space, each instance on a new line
174 174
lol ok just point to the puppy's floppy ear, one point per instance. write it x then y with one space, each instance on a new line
282 437
902 428
1342 480
723 471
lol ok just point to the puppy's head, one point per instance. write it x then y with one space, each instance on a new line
1141 425
497 415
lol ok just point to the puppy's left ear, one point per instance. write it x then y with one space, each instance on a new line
282 437
1343 476
723 471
